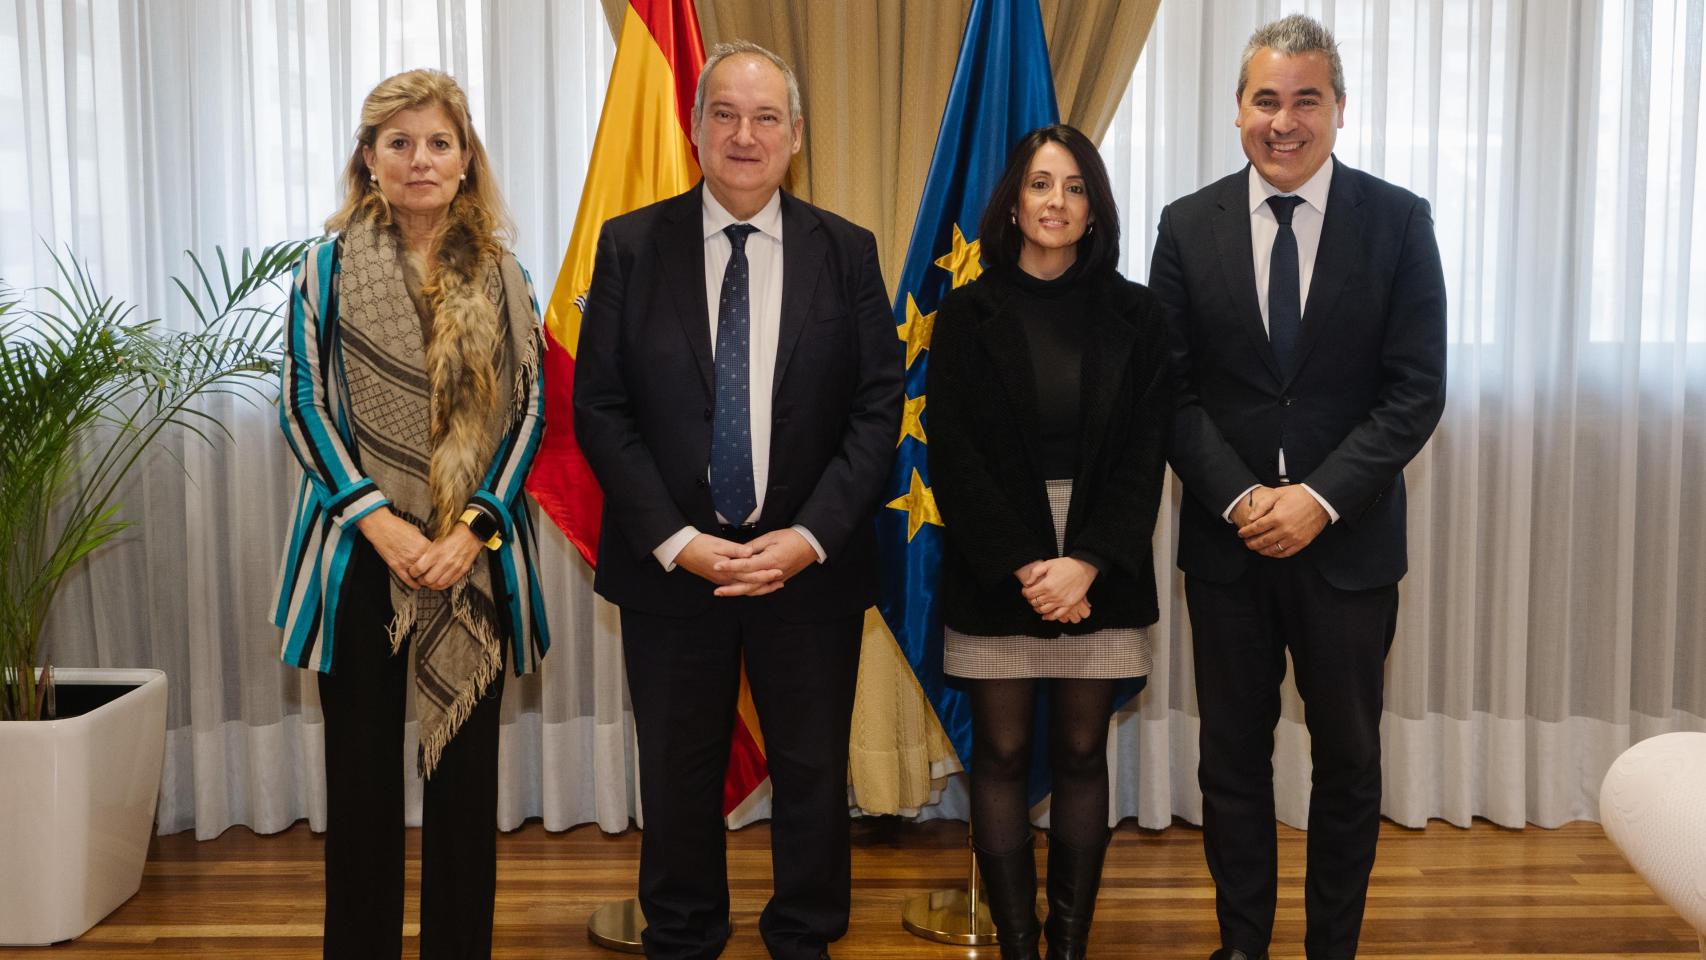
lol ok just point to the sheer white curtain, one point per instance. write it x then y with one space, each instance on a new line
1555 609
135 131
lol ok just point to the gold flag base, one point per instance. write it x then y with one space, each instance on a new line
948 916
954 915
618 925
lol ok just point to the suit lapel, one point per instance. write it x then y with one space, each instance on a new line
1232 244
1335 259
803 255
681 249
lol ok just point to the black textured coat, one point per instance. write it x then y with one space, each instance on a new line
982 421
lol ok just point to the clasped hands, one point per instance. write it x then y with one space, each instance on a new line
1279 521
1056 588
434 564
752 569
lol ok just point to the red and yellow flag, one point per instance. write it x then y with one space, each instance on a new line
642 154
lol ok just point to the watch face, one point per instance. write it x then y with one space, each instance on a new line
484 527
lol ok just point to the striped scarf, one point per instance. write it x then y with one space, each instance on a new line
428 409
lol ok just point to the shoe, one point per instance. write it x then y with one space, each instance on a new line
1231 953
1074 877
1010 889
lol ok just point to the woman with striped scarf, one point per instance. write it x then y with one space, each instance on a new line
412 399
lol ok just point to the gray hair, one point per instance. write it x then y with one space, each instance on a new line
733 48
1291 37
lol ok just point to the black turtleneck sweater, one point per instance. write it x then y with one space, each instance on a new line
1052 313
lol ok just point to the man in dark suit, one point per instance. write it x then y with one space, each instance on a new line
738 391
1306 306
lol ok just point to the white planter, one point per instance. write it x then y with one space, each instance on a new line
77 808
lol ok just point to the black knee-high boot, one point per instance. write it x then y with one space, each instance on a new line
1074 877
1010 887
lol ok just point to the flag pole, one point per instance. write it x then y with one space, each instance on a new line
955 915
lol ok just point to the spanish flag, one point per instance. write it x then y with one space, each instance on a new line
642 154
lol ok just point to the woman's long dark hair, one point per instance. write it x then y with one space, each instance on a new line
1000 238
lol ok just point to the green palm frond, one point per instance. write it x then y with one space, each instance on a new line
85 388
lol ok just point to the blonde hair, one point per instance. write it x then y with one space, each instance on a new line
477 205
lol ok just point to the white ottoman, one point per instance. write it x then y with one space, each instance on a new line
1653 807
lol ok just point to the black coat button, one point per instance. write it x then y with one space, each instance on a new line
707 414
702 482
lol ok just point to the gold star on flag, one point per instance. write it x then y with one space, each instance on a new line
962 261
920 506
916 330
910 423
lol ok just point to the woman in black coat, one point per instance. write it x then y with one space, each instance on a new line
1049 407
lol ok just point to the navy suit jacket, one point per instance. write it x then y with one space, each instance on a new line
644 393
1366 392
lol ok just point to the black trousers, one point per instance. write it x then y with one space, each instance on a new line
683 679
1338 642
363 700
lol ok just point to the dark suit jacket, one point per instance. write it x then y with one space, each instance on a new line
1367 391
985 450
644 393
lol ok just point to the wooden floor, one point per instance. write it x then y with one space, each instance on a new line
1477 894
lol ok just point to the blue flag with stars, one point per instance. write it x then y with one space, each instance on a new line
1002 89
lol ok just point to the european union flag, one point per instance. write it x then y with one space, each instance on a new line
1002 89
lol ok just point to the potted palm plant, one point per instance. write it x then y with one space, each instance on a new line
85 389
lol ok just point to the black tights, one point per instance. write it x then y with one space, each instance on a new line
1002 714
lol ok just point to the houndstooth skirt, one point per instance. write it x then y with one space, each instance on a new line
1113 653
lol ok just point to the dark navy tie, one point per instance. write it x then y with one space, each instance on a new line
1285 299
731 427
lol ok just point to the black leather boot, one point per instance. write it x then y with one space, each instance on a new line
1010 889
1074 877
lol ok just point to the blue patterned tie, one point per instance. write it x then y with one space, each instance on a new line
731 427
1285 300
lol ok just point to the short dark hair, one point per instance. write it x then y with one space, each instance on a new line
999 236
1294 36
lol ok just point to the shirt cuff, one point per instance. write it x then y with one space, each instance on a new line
355 501
667 551
1332 515
818 547
1227 513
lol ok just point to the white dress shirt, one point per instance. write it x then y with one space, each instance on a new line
1306 220
764 287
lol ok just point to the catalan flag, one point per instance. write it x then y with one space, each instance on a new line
642 154
1002 89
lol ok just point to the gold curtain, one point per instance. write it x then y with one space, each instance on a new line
874 77
1092 49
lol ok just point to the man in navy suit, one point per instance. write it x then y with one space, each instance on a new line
1306 306
738 392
